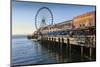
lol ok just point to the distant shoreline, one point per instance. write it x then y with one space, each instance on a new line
18 36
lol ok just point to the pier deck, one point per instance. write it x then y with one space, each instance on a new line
87 41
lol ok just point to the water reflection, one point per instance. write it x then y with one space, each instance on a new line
26 52
60 52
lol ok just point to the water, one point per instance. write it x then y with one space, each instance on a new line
29 52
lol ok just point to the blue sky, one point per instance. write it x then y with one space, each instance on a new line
23 14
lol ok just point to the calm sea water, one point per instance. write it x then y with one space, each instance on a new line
26 52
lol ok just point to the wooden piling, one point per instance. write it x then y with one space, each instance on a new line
69 49
90 51
81 51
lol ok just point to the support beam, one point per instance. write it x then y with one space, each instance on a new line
90 53
82 51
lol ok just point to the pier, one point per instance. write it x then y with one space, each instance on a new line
86 43
80 32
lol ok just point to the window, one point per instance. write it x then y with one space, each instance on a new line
80 25
83 25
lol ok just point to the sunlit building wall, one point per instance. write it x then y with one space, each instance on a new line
84 20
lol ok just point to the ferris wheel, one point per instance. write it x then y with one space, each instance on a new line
43 18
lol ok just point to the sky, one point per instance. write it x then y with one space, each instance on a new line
23 14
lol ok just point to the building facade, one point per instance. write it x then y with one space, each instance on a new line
84 20
66 25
